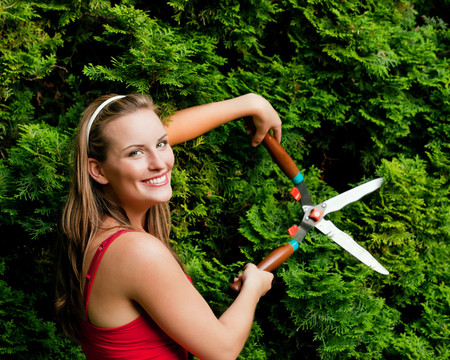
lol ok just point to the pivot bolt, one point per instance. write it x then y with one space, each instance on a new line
316 214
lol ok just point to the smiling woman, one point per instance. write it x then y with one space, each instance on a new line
122 292
138 164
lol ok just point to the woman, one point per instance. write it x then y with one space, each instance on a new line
122 292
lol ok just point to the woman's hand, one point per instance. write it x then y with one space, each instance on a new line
254 277
265 118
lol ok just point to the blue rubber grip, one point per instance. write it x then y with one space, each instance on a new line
297 179
294 244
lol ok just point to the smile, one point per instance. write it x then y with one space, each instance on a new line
157 181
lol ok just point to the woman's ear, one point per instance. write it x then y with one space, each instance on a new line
96 171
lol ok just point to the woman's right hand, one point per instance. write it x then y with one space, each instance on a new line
253 277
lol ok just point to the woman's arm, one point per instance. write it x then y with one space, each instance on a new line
189 123
158 284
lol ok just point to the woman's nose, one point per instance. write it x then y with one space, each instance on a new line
156 161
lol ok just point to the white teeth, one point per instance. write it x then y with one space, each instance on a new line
157 180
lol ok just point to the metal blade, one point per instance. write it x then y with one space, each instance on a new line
339 201
345 241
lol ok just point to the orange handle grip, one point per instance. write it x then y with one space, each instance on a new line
280 156
270 263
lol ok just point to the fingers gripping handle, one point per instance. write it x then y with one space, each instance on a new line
272 261
282 159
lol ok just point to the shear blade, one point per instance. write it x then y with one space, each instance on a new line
345 241
339 201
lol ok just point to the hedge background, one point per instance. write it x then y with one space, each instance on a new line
362 88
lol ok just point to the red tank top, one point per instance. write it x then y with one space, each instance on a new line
139 339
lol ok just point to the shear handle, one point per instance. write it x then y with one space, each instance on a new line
270 263
280 156
277 152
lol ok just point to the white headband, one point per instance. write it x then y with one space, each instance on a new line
94 115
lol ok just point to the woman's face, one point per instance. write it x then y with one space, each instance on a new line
139 161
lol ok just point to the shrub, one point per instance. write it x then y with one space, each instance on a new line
362 89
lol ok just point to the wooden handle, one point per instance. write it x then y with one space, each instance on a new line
280 156
270 263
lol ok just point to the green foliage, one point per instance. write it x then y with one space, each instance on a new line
237 24
367 69
28 54
154 56
24 333
37 178
362 89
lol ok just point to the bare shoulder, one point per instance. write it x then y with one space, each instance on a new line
143 266
137 247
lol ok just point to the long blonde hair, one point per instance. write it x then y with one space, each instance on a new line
87 204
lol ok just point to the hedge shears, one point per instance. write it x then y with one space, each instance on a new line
314 215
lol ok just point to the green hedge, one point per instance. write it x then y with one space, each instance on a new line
363 91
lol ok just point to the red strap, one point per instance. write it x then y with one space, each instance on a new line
95 264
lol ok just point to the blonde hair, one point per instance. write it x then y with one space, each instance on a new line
88 203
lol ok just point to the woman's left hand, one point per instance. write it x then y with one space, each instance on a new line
265 119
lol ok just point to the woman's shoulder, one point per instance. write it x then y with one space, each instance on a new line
140 258
139 249
138 243
133 254
126 245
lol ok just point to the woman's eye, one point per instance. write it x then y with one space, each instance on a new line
136 152
162 144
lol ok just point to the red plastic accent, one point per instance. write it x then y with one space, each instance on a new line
316 214
292 230
296 194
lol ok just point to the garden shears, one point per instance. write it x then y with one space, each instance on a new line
314 215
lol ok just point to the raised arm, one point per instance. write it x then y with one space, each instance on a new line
189 123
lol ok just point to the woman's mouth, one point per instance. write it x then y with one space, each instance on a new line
157 181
